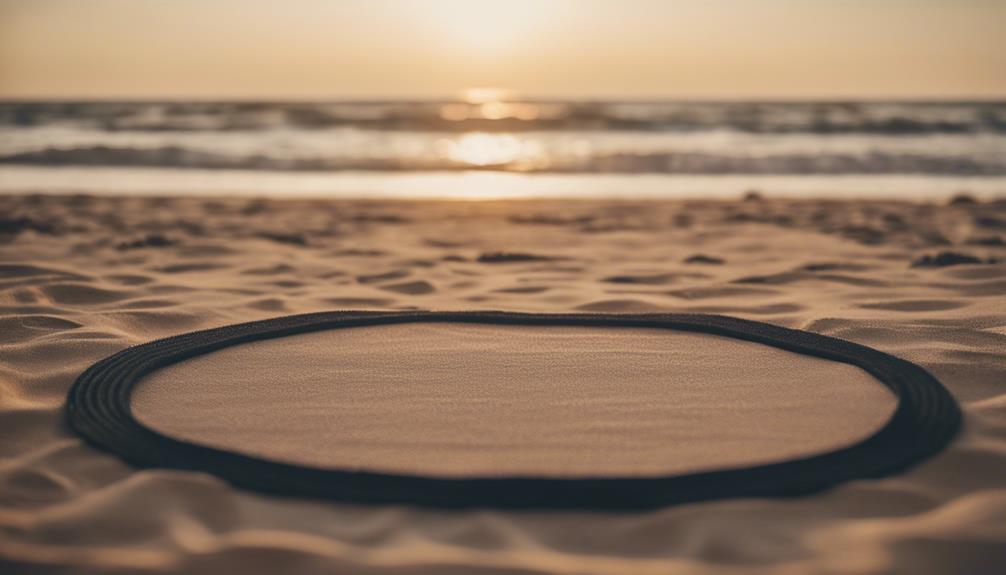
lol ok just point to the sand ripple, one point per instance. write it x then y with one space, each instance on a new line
88 280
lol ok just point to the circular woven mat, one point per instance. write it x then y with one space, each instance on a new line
924 420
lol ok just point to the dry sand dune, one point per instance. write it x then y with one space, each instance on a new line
84 277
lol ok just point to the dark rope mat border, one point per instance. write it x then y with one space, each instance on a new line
924 422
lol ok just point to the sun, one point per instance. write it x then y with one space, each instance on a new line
489 26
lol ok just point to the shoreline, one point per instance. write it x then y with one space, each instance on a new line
477 185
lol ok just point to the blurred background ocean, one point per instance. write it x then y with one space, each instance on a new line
494 144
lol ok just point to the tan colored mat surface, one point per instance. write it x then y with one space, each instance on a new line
464 400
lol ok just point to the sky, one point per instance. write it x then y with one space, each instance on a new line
352 49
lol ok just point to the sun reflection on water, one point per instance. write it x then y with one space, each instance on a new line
495 110
481 149
496 104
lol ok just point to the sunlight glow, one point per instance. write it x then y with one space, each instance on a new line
554 49
499 104
485 95
492 110
481 149
490 27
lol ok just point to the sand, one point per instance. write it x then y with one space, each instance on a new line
488 400
84 277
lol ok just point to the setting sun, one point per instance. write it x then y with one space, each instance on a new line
490 27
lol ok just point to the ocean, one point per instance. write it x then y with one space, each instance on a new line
505 148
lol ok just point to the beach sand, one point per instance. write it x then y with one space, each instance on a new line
83 277
468 400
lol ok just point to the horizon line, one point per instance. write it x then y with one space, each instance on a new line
514 96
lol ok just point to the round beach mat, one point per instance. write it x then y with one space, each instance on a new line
496 409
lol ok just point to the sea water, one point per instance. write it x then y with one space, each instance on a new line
505 148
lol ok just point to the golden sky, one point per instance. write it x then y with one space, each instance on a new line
564 48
